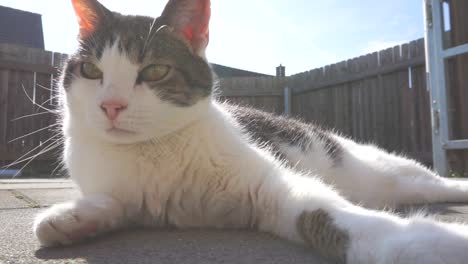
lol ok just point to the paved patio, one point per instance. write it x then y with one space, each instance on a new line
20 200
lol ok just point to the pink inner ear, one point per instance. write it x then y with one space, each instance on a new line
198 27
86 17
188 33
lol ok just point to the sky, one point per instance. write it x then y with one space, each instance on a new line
258 35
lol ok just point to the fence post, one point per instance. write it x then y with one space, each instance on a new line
287 101
281 74
281 71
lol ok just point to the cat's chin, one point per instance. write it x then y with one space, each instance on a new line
121 136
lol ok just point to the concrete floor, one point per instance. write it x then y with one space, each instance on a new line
20 200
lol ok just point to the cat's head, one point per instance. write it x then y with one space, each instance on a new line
134 78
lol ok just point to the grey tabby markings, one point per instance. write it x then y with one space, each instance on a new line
275 130
318 231
145 41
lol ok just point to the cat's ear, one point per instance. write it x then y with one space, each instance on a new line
90 14
190 19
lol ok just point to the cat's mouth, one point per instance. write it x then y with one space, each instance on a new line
120 131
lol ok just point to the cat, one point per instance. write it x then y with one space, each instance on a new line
147 143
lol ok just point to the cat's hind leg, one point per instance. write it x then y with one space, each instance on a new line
306 211
70 222
375 178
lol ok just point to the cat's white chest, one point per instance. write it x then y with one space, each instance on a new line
184 187
163 186
99 168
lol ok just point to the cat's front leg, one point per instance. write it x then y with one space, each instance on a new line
311 213
69 222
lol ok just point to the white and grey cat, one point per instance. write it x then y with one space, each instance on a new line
147 144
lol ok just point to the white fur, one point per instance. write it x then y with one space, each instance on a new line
375 178
192 167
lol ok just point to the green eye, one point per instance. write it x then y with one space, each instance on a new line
90 71
153 73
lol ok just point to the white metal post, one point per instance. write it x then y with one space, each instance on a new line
436 80
436 68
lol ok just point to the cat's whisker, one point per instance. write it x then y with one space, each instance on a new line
26 116
43 87
22 159
36 104
49 148
34 132
48 100
59 166
148 36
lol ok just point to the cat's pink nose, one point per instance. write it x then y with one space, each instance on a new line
112 108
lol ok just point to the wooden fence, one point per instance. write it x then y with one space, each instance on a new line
380 98
264 93
26 76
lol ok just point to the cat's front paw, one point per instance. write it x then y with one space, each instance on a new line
66 223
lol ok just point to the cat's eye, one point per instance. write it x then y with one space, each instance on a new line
154 73
90 71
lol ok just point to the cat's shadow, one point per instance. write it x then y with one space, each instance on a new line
200 246
173 246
